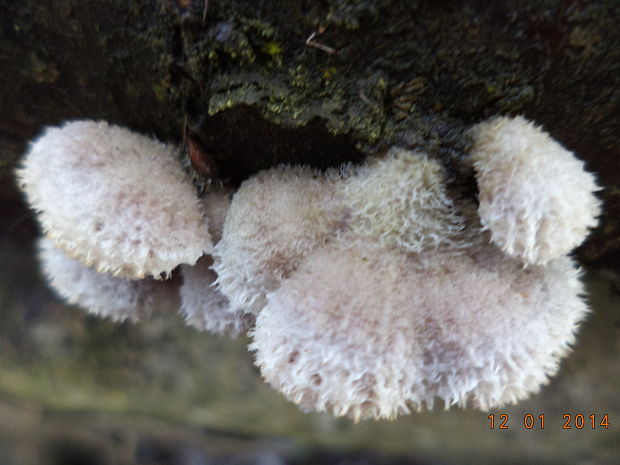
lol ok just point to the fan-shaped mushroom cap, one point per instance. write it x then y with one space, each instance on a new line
400 200
275 219
535 196
113 199
102 294
204 307
367 333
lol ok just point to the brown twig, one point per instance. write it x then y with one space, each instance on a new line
312 43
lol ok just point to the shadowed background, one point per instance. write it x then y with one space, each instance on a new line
239 77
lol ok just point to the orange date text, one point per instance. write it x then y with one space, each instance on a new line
537 421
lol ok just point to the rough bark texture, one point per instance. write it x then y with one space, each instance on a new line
241 77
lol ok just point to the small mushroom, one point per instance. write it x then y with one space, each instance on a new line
102 294
115 200
216 203
275 219
535 196
400 200
203 306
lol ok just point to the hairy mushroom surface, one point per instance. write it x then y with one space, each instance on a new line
115 200
368 333
102 294
535 196
405 301
400 200
204 307
369 289
275 219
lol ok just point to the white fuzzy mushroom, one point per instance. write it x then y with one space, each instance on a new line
102 294
276 218
375 292
204 307
279 216
400 200
113 199
535 196
366 332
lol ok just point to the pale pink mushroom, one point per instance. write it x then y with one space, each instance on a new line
536 199
115 200
102 294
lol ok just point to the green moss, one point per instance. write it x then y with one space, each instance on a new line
273 49
329 73
262 28
162 89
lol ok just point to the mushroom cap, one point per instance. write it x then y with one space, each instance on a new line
369 333
276 218
102 294
281 215
535 196
113 199
400 200
204 307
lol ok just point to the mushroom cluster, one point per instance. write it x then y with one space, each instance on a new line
369 290
119 214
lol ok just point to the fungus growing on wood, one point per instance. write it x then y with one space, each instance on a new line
372 290
535 196
400 200
366 332
203 306
102 294
375 292
275 219
113 199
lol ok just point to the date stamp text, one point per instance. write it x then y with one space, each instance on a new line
532 421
